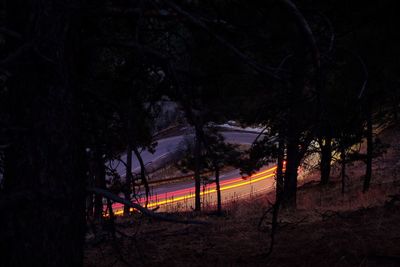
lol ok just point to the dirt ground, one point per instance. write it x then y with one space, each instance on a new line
327 228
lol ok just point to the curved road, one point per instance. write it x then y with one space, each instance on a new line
170 145
180 196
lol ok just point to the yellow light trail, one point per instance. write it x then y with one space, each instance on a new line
246 182
252 179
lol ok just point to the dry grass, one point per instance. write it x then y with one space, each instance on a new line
385 182
368 237
327 229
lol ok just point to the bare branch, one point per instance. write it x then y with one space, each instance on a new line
12 58
330 25
271 72
365 70
305 28
283 62
107 194
11 33
143 173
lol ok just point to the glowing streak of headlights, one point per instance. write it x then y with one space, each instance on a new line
252 179
225 185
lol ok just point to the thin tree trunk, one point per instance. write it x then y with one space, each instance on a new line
290 178
142 173
218 187
326 157
111 219
89 205
197 170
128 179
368 172
279 192
90 197
279 170
196 121
100 182
343 171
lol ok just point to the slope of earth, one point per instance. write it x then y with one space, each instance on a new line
328 228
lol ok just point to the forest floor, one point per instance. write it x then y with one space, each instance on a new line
327 228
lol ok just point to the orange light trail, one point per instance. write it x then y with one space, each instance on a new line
187 192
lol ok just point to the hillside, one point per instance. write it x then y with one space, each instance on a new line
328 228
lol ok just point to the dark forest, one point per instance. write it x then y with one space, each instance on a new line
199 133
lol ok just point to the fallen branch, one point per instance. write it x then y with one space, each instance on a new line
107 194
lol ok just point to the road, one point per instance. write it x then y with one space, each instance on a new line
168 146
180 196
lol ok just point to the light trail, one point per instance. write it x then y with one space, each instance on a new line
187 193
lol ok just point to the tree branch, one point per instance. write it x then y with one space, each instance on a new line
11 33
271 72
142 172
12 58
107 194
305 28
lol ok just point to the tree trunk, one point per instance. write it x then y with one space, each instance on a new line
368 171
295 91
218 187
290 178
89 206
42 203
343 171
279 170
90 183
100 182
128 179
110 223
142 173
279 191
326 157
197 178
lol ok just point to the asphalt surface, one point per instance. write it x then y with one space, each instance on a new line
180 196
166 147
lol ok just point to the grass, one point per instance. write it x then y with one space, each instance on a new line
327 228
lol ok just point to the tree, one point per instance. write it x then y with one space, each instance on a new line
43 197
217 155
